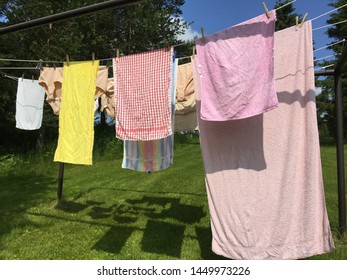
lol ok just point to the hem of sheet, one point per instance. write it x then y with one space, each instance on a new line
305 249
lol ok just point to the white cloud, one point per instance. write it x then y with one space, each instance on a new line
318 90
189 33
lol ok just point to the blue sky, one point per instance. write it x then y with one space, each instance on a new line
216 15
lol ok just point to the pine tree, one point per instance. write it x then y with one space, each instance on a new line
285 16
326 100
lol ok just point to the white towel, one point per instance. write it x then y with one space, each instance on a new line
29 104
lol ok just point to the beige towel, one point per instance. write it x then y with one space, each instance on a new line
263 174
185 106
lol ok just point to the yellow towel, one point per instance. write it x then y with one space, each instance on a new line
76 130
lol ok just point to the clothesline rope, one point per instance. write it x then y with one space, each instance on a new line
327 66
329 12
17 68
325 57
322 48
28 60
325 26
285 5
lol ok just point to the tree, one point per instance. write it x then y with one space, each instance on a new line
137 28
285 16
326 100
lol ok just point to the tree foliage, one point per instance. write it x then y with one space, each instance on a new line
149 25
326 100
286 15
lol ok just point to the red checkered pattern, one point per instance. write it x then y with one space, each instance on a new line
142 102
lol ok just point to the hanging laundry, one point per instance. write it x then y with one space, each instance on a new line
51 79
153 155
29 104
263 174
107 103
185 107
236 67
142 84
76 130
97 113
101 81
185 83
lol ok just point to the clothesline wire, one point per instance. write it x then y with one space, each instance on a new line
329 12
325 26
325 57
28 60
17 68
285 5
327 66
322 48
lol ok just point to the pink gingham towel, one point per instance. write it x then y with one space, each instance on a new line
237 70
143 107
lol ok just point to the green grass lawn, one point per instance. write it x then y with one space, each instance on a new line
111 213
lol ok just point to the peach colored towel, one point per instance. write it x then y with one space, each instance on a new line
107 100
51 79
263 174
237 70
185 106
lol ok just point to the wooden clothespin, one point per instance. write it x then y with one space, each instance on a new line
67 60
93 57
39 64
166 44
303 20
117 55
296 23
266 10
202 35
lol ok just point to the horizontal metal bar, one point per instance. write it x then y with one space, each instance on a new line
325 73
92 9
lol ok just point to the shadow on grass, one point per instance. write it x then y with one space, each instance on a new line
70 206
204 236
163 238
17 195
114 239
164 233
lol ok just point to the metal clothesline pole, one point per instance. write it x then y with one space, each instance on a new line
92 9
341 189
339 141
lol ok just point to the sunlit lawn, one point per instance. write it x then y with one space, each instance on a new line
111 213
